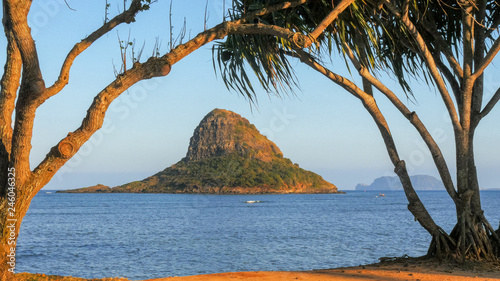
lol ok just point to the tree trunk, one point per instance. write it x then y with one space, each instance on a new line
473 238
13 206
10 231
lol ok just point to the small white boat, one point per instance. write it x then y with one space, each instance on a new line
252 201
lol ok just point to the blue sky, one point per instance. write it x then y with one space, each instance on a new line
147 129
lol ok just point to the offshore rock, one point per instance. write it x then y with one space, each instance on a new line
223 132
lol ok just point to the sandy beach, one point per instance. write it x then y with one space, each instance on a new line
399 270
330 275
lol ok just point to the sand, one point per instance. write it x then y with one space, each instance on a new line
396 270
329 275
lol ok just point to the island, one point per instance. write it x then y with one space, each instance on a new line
420 182
226 155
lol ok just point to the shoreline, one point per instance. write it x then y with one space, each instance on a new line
393 269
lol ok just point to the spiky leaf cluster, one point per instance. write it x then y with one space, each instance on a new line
377 37
266 56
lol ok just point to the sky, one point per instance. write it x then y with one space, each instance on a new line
322 127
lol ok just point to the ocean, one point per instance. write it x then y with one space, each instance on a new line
141 236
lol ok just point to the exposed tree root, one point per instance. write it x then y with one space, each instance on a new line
472 238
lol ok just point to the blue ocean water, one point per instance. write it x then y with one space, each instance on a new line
142 236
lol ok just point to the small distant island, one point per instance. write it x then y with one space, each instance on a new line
420 182
226 155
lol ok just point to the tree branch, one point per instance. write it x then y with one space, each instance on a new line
32 85
8 93
429 25
467 85
68 146
436 153
427 56
487 59
479 54
125 17
491 104
154 67
415 204
9 86
270 9
15 18
455 86
300 40
330 18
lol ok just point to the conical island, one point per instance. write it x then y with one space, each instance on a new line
227 155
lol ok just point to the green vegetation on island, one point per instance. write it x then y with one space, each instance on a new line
231 173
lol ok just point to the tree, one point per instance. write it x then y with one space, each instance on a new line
23 90
448 44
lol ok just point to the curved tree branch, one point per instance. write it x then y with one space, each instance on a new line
127 16
9 86
427 56
415 205
299 40
491 104
270 9
153 67
436 153
487 59
15 18
330 18
455 86
32 85
8 92
429 25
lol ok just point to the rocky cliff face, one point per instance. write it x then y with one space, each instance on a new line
228 155
223 132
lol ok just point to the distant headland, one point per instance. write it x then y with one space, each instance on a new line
226 155
420 182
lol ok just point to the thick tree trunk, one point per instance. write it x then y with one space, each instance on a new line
472 238
13 207
10 231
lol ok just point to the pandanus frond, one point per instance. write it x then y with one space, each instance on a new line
377 37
